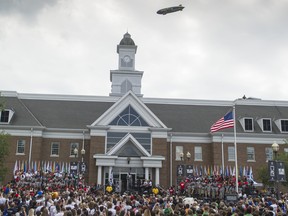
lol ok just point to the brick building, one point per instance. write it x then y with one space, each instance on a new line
129 137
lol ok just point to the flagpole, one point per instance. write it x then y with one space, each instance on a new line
222 148
235 148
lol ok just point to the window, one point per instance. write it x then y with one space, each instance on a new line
4 116
115 137
269 153
129 117
179 150
72 147
250 154
267 125
284 125
198 153
231 153
55 148
248 124
20 147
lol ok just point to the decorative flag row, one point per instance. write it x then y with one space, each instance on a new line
218 170
44 166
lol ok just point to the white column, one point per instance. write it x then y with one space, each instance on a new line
157 177
99 177
146 173
110 175
30 150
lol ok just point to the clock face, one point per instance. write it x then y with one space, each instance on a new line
126 59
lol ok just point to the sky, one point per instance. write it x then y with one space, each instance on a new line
213 49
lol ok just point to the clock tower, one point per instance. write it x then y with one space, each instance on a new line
126 78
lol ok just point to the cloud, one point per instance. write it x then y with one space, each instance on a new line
69 46
26 9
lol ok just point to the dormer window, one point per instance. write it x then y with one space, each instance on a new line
282 125
6 116
265 124
247 124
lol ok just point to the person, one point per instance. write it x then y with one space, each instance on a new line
111 209
2 202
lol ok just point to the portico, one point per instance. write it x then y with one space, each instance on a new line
111 166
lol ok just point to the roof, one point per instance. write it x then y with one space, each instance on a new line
127 40
183 116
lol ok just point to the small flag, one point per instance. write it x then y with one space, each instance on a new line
15 168
225 122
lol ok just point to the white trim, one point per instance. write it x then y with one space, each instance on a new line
10 115
123 141
248 101
129 99
253 151
191 139
51 145
279 125
242 123
255 139
261 125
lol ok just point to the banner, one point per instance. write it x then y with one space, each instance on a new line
180 170
281 171
73 168
276 171
189 171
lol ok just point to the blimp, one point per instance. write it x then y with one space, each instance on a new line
167 10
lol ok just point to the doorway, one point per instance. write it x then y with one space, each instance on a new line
127 181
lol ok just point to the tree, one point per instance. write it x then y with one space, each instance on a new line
263 175
283 157
4 145
4 152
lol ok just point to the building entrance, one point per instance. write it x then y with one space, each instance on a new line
127 179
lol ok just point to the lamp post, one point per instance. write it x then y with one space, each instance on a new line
75 151
275 148
188 155
83 165
184 169
82 154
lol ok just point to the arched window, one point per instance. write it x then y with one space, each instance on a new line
129 117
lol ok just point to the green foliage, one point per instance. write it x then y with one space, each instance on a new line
2 103
263 175
284 158
4 151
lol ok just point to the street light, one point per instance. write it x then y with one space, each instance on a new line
188 155
275 148
75 151
181 156
82 154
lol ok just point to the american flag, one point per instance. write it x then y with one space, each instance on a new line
225 122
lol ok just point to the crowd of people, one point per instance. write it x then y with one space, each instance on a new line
59 195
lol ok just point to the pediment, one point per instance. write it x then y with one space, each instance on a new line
128 147
129 100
